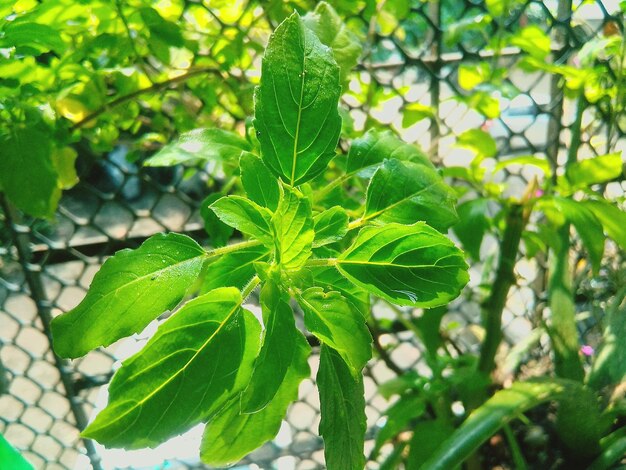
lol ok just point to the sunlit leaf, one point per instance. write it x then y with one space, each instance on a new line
293 227
296 114
260 185
406 264
196 361
245 216
330 226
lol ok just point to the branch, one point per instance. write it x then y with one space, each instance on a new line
155 87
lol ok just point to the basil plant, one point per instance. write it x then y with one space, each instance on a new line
212 361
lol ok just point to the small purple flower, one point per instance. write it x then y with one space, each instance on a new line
587 350
538 192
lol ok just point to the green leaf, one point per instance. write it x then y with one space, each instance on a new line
540 163
198 145
245 216
335 322
10 458
532 40
234 269
196 361
27 175
296 115
486 420
406 192
293 227
331 279
410 265
374 147
330 226
612 219
398 416
63 161
40 37
427 436
168 32
277 352
484 103
472 225
478 142
414 112
587 226
333 32
342 409
260 185
219 233
594 170
232 434
472 75
132 288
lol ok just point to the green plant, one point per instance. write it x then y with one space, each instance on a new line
212 361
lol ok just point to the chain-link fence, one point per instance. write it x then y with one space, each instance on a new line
412 59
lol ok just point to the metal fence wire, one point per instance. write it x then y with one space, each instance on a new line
47 266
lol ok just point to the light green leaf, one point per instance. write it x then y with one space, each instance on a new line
296 115
406 192
10 458
293 227
234 269
414 112
594 170
342 408
232 434
587 226
63 161
277 352
27 175
484 103
374 147
410 265
479 142
259 183
333 32
330 226
245 216
200 144
132 288
612 219
330 279
472 225
198 359
532 40
335 322
538 162
486 420
472 75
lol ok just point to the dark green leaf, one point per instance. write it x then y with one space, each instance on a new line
427 437
406 264
335 322
342 408
246 216
234 269
331 279
472 225
405 192
293 227
333 32
296 115
166 31
196 361
27 175
485 421
219 233
232 434
374 147
277 352
198 145
330 226
132 288
41 37
260 185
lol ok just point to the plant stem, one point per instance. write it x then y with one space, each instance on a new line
155 87
321 262
505 278
563 332
252 284
230 248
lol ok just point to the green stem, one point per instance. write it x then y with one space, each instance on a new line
321 262
516 452
563 332
252 284
231 248
505 278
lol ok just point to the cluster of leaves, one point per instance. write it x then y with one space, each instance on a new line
213 361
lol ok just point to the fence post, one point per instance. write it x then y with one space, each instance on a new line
20 234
